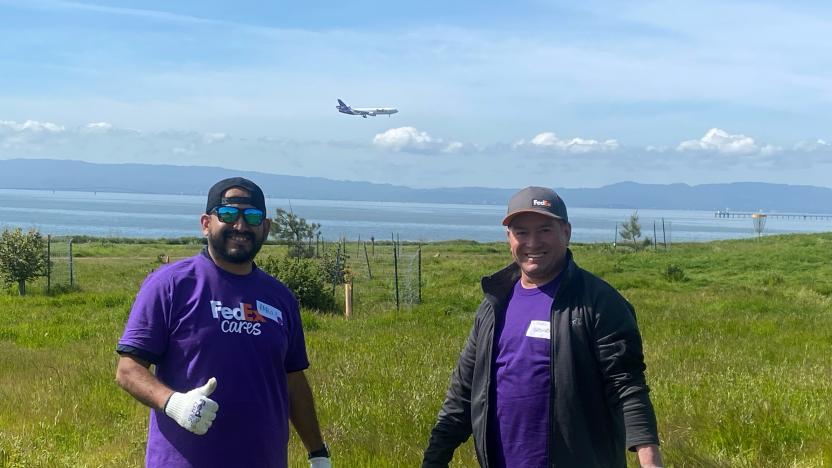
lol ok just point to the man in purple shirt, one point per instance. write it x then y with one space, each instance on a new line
227 343
552 373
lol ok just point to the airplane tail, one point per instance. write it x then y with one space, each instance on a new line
341 103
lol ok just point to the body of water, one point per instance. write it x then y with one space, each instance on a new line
154 216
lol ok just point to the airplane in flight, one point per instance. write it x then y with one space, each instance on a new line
364 112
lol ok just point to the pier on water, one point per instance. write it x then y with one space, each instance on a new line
749 214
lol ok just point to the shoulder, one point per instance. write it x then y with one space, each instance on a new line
269 280
274 286
172 273
598 290
167 274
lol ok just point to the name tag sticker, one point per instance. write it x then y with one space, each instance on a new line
539 329
270 312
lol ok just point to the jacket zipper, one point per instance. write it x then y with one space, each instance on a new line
553 329
488 386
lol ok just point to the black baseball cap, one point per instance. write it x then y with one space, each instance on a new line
536 200
255 196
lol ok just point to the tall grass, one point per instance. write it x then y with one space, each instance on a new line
738 339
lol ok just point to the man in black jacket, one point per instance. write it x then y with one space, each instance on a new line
552 373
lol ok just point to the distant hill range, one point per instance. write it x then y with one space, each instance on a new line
48 174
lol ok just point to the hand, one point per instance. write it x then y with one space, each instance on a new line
194 410
649 456
320 462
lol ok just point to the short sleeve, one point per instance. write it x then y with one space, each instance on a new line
146 333
296 358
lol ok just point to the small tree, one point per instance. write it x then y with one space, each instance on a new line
22 257
631 230
296 232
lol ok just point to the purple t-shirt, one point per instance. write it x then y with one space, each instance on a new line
518 425
196 321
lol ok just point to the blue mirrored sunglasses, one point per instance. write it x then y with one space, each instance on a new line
230 215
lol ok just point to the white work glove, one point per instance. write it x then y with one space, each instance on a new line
320 462
320 458
194 410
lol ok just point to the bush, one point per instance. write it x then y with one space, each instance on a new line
334 266
304 277
675 273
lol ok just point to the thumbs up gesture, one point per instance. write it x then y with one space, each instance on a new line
194 410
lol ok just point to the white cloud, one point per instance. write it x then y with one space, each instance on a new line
215 137
410 139
97 127
453 147
720 141
813 146
29 134
768 150
30 126
182 151
550 141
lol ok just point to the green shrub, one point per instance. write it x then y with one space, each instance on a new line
305 277
333 266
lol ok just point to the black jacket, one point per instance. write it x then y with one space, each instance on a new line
599 401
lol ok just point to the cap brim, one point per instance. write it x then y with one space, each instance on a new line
509 217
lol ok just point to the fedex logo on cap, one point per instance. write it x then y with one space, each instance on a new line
545 203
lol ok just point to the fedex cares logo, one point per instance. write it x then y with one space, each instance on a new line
243 319
246 318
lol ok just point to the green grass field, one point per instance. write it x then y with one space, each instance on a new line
737 337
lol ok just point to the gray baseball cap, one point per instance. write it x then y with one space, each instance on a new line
536 200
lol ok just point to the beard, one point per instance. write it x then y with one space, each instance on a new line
236 254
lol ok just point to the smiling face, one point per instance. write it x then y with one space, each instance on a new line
538 244
234 245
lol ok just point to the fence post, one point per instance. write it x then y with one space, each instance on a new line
348 299
655 243
337 268
367 258
396 270
664 236
71 272
48 263
419 268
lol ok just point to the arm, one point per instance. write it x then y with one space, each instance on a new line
649 456
453 425
302 411
193 411
134 376
621 360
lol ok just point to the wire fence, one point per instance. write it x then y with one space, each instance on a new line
60 274
388 272
657 236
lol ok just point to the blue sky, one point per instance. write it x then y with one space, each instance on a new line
498 94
